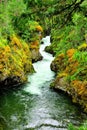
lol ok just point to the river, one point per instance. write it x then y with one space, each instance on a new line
37 107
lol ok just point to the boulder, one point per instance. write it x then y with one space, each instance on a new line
35 55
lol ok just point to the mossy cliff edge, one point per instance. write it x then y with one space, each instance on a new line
16 57
71 70
20 34
69 46
15 62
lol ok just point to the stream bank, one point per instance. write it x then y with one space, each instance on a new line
71 77
37 107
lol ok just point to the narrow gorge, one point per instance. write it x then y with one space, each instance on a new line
37 107
43 65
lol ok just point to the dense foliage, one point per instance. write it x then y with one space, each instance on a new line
18 37
69 45
83 127
20 33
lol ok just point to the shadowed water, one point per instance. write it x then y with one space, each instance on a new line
36 106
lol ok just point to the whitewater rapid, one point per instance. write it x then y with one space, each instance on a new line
43 71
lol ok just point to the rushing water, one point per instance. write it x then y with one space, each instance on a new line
36 106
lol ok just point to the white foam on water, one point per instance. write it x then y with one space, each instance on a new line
43 71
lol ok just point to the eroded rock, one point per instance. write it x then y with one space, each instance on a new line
35 55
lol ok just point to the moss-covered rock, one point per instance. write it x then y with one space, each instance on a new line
49 49
16 56
35 53
71 70
58 63
15 62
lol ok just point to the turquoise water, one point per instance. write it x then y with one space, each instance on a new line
37 107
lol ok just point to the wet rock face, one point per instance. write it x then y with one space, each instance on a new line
10 82
35 55
61 84
76 89
54 66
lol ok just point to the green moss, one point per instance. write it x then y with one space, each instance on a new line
15 60
52 85
82 127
